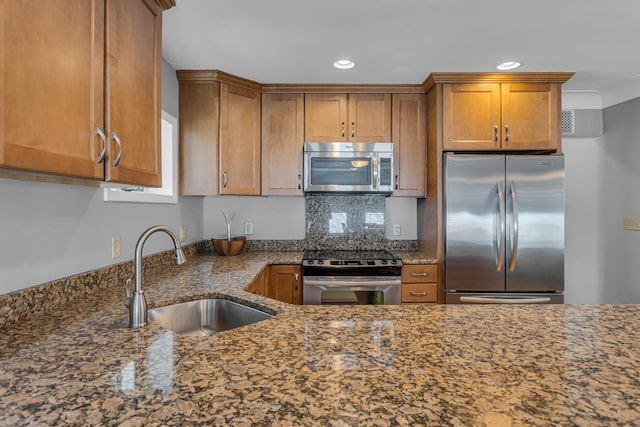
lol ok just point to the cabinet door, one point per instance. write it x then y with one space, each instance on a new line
409 144
282 143
530 116
471 117
51 86
369 117
239 141
325 117
133 61
284 283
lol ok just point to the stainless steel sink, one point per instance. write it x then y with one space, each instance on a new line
205 316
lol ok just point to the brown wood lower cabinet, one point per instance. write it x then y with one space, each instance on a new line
284 283
280 282
419 283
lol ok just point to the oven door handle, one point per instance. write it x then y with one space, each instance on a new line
341 282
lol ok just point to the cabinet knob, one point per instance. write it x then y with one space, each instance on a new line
343 129
103 138
224 179
296 276
506 134
353 129
397 186
495 134
299 182
116 138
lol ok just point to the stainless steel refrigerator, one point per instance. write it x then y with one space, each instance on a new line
504 228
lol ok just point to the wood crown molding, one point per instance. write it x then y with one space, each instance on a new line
208 76
341 88
166 4
438 78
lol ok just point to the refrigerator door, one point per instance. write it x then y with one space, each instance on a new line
535 223
474 222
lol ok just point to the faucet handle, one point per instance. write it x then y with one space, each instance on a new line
127 287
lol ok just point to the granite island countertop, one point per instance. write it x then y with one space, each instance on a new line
315 365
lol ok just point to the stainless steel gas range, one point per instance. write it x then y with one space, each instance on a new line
351 277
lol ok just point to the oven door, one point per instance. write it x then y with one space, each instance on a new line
351 290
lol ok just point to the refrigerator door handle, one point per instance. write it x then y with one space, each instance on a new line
515 230
500 245
497 300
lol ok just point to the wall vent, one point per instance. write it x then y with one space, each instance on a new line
580 123
568 122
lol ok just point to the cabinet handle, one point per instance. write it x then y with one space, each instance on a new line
343 129
103 138
116 138
353 129
506 134
419 294
397 182
495 133
299 182
296 276
420 274
224 179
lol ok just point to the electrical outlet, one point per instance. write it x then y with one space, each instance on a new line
396 229
183 234
115 247
632 223
248 228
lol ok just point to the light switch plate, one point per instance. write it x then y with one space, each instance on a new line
115 247
248 228
396 229
632 223
183 234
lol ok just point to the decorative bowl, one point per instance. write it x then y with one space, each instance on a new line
229 247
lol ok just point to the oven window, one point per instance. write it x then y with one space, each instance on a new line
347 297
340 171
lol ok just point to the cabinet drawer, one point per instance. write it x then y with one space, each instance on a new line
419 292
419 273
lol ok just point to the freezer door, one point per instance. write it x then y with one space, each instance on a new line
474 222
535 223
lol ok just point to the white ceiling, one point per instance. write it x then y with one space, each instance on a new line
402 41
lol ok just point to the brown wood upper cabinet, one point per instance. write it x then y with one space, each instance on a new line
282 142
85 101
219 136
347 117
409 146
501 116
239 140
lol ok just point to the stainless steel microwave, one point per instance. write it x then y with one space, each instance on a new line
349 167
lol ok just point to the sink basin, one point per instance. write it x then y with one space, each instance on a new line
205 316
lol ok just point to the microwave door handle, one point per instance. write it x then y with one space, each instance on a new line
376 174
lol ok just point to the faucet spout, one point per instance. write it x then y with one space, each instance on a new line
137 303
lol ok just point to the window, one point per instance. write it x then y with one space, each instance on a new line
168 193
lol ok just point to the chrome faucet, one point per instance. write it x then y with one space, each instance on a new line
136 303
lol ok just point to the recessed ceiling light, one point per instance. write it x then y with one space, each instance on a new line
510 65
344 64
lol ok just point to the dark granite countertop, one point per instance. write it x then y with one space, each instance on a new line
310 365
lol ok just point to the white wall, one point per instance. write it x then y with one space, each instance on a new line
602 187
283 218
50 231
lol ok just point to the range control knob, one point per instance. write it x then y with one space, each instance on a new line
320 261
310 262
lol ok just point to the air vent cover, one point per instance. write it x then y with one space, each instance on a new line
568 122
